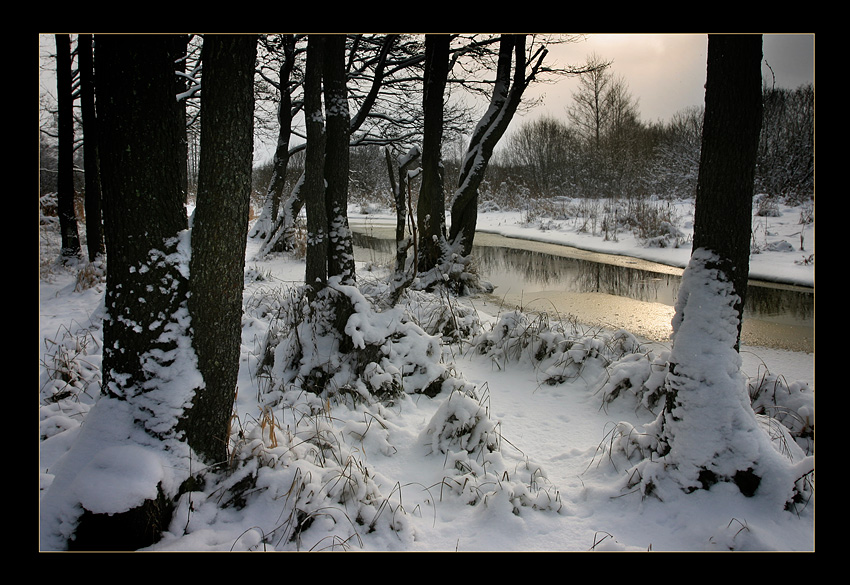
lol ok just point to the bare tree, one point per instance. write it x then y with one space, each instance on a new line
508 90
168 359
723 214
544 154
145 290
265 225
91 161
313 189
589 112
707 432
786 150
431 213
219 234
338 127
67 215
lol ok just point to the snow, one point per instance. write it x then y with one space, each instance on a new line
531 445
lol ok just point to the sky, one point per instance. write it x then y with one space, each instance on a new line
666 72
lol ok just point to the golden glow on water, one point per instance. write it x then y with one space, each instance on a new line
614 292
651 321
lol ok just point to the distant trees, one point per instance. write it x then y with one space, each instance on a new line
674 165
607 151
787 146
544 154
598 149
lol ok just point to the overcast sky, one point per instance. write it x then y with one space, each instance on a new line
666 72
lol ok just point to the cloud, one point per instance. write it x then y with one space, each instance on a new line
666 72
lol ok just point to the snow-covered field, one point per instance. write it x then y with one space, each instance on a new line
386 477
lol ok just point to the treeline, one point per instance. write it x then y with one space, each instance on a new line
623 158
551 157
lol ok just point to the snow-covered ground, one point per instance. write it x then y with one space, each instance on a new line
546 481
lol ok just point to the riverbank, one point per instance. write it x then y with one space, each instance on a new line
777 240
774 263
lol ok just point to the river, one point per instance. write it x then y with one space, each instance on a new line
607 290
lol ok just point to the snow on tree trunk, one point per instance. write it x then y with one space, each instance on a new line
708 432
709 427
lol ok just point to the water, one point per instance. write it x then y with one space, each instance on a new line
610 291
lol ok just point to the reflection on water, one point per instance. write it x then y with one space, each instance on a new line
614 294
532 271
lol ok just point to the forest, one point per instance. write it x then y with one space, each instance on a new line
151 200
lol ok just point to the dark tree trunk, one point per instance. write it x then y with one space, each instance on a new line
431 214
710 302
94 231
403 200
267 227
67 216
219 233
338 121
282 235
143 205
730 137
313 189
143 215
507 95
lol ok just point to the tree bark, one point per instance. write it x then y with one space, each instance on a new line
91 161
338 122
313 190
143 216
507 95
143 205
431 214
219 233
266 227
707 431
730 138
65 196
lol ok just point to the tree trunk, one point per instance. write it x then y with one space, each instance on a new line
313 190
708 432
94 231
401 196
431 214
281 236
219 233
143 216
143 205
338 121
733 100
506 98
67 215
266 226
